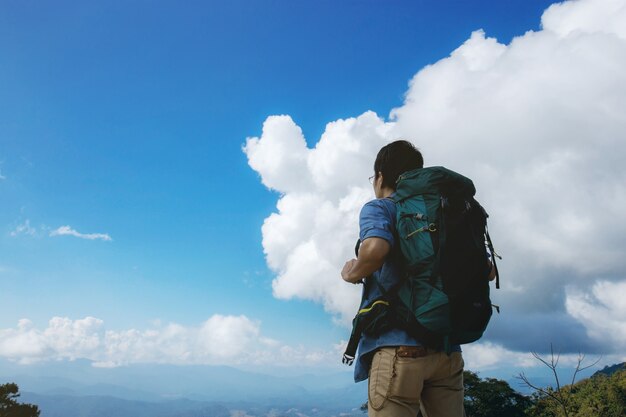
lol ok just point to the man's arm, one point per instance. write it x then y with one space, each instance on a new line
371 257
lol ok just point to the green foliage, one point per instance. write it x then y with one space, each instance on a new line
492 397
9 407
599 396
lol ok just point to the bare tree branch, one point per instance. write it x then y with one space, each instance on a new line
560 395
553 367
581 358
526 381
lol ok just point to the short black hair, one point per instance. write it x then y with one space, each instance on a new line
396 158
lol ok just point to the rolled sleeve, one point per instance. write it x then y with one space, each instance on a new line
377 220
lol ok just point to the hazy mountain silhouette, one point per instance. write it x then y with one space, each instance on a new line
76 389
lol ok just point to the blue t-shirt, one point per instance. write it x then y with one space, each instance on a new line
378 219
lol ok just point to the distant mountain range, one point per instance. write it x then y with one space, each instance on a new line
104 406
76 389
610 370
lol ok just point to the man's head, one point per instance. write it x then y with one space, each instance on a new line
393 159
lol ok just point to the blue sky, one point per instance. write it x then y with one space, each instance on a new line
128 119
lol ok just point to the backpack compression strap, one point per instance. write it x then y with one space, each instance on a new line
494 255
359 323
357 328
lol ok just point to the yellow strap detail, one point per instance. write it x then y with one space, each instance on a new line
365 310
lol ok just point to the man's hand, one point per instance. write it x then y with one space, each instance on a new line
372 254
345 272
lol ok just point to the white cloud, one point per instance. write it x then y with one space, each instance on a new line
307 238
220 340
538 124
277 156
602 312
485 356
68 231
570 18
24 229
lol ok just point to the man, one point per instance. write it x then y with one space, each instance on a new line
403 374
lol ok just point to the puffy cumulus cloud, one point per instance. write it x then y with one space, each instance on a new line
321 189
74 338
68 231
484 356
62 339
585 16
602 311
539 125
220 340
276 155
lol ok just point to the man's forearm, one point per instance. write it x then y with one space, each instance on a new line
371 257
361 269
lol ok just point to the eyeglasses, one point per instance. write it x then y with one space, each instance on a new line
371 179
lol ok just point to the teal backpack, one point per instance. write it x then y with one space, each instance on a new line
443 298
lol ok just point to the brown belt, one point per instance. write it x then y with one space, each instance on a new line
411 351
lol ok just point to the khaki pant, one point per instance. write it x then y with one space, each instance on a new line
398 385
